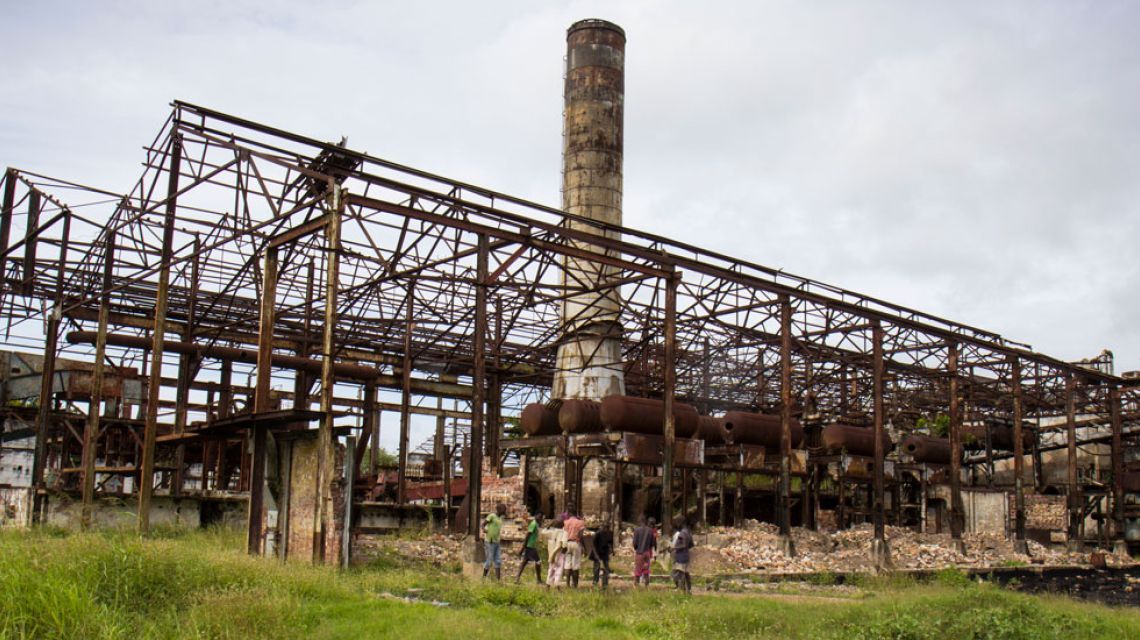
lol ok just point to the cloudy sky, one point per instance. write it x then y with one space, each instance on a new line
976 160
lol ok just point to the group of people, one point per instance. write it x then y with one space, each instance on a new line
568 542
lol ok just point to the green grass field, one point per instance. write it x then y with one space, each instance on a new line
201 585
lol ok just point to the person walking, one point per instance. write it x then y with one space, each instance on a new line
555 553
681 544
644 544
529 551
600 553
574 526
492 529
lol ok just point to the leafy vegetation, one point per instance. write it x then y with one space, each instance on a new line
201 585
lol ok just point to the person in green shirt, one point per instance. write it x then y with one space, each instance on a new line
492 527
529 552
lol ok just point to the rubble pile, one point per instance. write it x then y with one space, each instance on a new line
437 549
755 548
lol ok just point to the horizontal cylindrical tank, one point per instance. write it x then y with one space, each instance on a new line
647 415
711 430
1001 437
580 416
743 427
926 449
540 420
858 441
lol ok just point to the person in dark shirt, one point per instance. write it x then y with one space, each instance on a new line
529 551
644 544
600 554
681 544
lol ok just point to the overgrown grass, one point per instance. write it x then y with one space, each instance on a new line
201 585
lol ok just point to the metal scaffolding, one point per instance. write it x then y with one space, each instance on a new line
252 273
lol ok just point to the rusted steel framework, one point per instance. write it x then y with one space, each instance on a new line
252 270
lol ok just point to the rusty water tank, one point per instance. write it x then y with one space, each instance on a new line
927 449
858 441
744 427
711 430
647 416
580 416
1001 437
540 420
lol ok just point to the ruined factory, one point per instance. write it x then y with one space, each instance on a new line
225 344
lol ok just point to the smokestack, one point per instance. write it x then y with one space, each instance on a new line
589 356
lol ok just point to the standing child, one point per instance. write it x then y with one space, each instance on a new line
600 554
492 529
555 553
682 543
574 526
644 543
530 549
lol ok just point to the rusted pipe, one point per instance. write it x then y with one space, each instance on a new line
342 370
647 415
580 416
540 420
927 449
743 427
711 430
858 441
1001 437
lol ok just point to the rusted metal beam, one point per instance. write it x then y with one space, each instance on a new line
325 453
474 465
878 499
669 375
1019 542
1117 454
1075 500
261 401
784 500
95 403
406 395
957 517
154 387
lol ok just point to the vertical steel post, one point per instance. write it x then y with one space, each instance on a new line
6 213
29 272
406 396
879 543
328 378
670 383
47 380
478 393
1117 453
261 401
957 517
95 411
43 412
784 517
1076 514
367 427
1019 543
154 385
349 482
